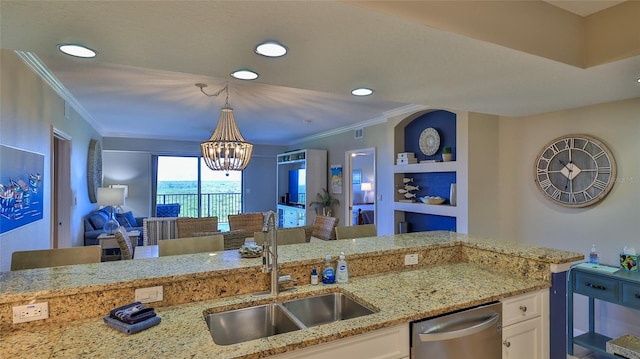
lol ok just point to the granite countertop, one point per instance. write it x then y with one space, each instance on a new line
484 274
400 297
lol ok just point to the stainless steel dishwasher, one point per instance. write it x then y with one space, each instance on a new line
473 333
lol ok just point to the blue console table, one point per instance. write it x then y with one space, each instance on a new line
602 283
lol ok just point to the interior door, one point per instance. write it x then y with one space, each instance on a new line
61 191
360 175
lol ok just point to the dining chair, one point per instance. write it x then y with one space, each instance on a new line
171 247
363 230
42 258
125 243
283 236
323 227
250 222
187 226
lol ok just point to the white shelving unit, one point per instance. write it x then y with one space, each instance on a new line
314 164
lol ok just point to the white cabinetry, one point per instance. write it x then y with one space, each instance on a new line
387 343
301 175
525 326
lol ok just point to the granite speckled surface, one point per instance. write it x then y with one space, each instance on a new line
454 272
626 346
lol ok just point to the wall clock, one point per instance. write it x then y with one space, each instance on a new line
94 169
575 170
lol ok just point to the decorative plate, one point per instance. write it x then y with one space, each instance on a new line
429 141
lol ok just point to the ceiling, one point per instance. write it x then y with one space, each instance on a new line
150 55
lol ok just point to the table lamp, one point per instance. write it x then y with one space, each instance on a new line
366 187
111 197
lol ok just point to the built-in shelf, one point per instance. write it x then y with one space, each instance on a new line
419 207
451 166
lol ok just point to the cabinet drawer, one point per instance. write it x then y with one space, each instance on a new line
520 308
597 287
631 295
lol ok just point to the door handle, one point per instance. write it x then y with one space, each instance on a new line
454 334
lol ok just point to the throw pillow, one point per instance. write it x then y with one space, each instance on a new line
131 219
98 219
123 220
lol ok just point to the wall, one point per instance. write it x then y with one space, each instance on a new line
29 109
527 216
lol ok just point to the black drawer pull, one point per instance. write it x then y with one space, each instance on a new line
595 286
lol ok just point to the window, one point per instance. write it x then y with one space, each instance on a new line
200 191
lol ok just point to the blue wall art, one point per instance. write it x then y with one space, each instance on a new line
21 189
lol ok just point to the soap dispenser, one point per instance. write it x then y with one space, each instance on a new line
342 272
594 258
328 273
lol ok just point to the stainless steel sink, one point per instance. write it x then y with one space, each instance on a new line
241 325
326 308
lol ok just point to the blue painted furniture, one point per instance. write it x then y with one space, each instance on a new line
620 287
168 210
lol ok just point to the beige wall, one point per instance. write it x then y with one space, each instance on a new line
526 215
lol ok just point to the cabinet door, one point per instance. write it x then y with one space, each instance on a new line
387 343
522 340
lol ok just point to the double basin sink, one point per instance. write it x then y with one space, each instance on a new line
261 321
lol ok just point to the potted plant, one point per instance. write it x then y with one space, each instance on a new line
446 154
325 202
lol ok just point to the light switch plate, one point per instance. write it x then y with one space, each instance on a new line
411 259
148 295
30 312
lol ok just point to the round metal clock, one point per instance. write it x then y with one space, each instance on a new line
575 170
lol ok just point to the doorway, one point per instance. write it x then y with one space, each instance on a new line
361 182
61 195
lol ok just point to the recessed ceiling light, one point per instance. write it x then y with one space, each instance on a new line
77 50
361 91
244 74
271 49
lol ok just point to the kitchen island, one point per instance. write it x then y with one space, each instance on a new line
454 271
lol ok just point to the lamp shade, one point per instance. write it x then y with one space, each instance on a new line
110 196
126 188
226 150
366 186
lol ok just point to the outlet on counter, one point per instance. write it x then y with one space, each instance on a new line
30 312
148 295
411 259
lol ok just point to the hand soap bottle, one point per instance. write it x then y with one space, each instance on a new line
342 272
594 258
328 274
314 277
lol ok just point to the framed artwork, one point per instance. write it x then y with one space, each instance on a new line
357 176
336 179
21 189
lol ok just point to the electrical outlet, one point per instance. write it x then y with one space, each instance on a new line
30 312
148 295
410 259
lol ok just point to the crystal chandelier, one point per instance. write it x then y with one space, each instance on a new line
226 150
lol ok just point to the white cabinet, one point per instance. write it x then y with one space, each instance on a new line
525 326
387 343
302 174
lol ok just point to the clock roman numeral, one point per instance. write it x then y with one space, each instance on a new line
569 142
545 184
598 155
604 170
556 194
554 148
599 184
572 198
587 196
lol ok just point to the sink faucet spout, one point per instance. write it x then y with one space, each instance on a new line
270 251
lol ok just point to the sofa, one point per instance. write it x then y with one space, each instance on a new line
94 222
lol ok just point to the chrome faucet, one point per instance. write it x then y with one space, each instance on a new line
270 251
